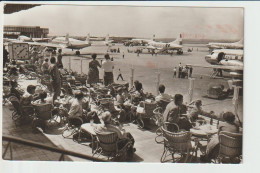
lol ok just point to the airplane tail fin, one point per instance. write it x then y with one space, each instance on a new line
240 41
87 38
153 37
107 38
67 39
178 40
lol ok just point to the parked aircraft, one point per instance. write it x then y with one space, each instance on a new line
229 60
100 42
163 47
235 45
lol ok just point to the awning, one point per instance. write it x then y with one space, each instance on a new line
12 8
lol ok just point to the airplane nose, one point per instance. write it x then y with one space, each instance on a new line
208 58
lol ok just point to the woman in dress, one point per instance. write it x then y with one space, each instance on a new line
93 73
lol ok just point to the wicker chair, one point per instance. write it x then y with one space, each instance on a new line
176 144
158 112
108 145
43 114
20 112
230 150
144 118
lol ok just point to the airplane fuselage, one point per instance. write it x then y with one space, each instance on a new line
225 46
165 45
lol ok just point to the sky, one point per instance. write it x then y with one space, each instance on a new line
143 22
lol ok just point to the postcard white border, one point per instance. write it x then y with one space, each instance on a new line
251 118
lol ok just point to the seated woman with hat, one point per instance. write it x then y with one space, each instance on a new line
107 126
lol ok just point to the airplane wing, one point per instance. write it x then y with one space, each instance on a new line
222 67
50 45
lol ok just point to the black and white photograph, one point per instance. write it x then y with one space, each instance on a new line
122 83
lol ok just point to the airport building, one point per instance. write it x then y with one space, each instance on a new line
11 31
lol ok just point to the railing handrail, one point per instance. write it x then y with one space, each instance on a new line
50 148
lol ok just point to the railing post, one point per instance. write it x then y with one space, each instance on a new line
81 66
191 89
158 82
132 78
8 145
69 63
61 157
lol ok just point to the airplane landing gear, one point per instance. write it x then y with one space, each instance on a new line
77 52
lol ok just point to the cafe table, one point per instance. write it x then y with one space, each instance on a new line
89 128
201 135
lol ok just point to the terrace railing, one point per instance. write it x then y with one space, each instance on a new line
63 152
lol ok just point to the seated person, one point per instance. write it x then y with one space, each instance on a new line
28 96
107 126
213 145
138 94
76 109
27 99
14 90
43 99
174 113
197 110
162 97
45 66
13 73
120 98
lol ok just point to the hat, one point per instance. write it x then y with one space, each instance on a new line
106 117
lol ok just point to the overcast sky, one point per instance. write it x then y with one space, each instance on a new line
208 23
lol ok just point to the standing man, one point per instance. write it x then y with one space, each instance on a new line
55 78
59 59
108 67
123 55
191 71
174 72
120 75
180 70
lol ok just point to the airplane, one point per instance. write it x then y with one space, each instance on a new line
66 42
100 42
140 41
235 45
163 47
23 38
229 60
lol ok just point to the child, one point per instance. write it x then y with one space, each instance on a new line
120 75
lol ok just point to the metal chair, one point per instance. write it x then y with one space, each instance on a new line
72 127
109 145
176 144
230 150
